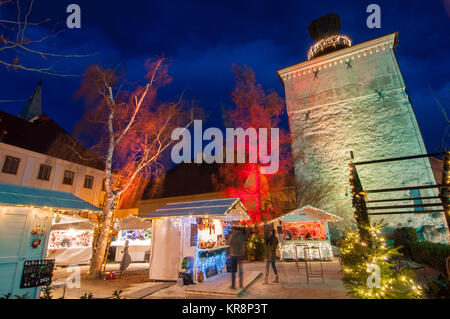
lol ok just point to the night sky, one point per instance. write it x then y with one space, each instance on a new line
204 38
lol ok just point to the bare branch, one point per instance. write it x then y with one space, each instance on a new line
21 45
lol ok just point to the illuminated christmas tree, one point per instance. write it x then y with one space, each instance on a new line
367 260
369 271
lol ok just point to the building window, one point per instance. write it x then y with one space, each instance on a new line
68 177
88 181
11 165
44 172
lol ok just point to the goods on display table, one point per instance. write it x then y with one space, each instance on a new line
305 227
211 248
70 240
138 233
189 238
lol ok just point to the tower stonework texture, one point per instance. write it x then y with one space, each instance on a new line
354 99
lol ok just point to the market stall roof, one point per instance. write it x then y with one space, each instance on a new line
30 196
222 208
133 222
64 222
309 214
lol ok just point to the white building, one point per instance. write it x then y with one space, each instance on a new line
37 152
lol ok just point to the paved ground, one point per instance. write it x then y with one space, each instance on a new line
135 284
135 276
292 285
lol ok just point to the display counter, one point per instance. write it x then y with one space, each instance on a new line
70 246
211 248
139 241
137 252
210 261
288 247
70 256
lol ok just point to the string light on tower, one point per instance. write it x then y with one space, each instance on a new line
324 45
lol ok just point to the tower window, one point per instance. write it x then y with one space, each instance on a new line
68 177
44 172
11 165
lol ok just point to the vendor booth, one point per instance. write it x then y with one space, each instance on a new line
70 240
305 227
25 223
138 234
191 235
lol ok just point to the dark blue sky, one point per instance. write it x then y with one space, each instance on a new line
204 38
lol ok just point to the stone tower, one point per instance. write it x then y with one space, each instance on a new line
352 98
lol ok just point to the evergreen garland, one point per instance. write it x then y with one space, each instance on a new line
359 204
211 253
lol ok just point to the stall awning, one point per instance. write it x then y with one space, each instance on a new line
64 222
30 196
224 208
309 214
133 222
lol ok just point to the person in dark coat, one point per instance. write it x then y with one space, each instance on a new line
271 255
237 250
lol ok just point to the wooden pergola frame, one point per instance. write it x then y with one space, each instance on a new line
444 190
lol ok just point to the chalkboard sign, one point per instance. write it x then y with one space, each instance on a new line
37 273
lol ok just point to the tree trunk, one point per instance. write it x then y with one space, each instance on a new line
95 271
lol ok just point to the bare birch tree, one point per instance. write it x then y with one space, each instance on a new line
131 131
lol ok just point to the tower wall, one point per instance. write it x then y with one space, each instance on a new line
334 108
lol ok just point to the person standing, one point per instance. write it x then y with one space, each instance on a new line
237 250
126 258
271 255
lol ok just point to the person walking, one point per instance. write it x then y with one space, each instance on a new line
271 255
237 250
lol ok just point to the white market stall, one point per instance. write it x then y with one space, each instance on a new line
138 233
305 227
70 240
25 222
194 230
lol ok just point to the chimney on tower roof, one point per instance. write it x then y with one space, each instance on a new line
325 31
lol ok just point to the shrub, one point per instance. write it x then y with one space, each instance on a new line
402 236
46 292
117 294
255 247
87 296
438 289
432 254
